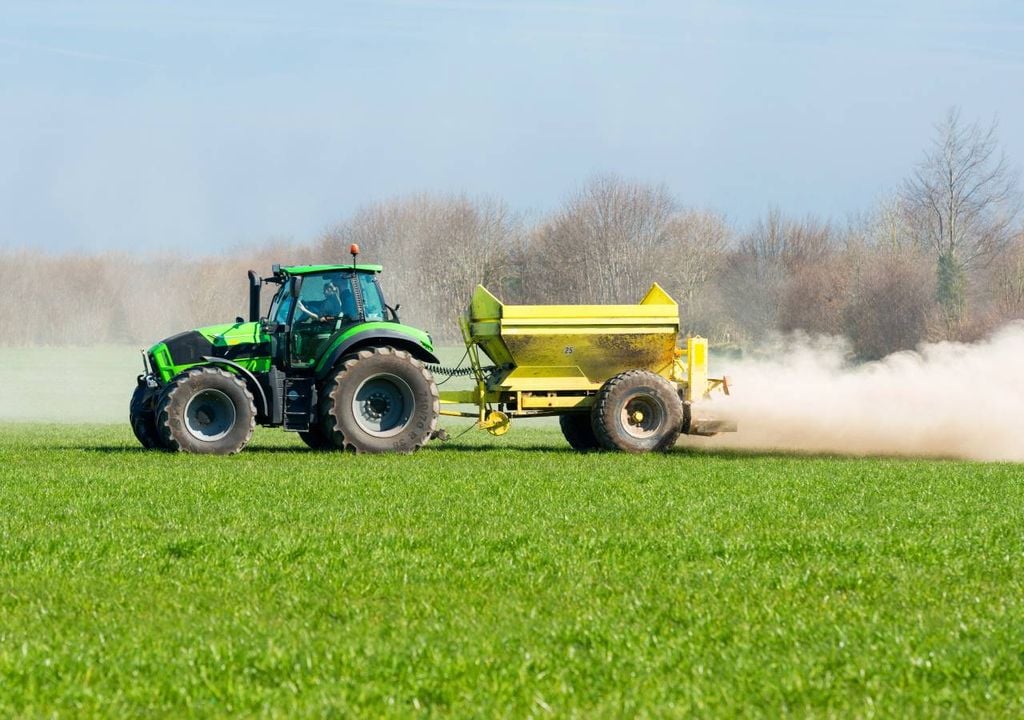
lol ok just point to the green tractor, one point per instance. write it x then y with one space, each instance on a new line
331 361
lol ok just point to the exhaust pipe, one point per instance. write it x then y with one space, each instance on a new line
255 282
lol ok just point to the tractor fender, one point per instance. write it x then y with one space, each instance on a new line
376 338
254 385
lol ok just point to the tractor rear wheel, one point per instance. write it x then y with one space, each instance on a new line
637 411
579 431
206 410
316 437
380 400
142 416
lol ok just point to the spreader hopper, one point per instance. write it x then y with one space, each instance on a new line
573 347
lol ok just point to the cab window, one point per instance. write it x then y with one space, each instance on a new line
373 303
282 305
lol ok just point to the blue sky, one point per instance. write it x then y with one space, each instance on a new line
207 125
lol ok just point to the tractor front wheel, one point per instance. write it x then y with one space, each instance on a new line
381 400
637 411
206 410
142 416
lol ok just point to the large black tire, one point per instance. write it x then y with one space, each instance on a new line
579 431
637 411
142 416
381 400
206 410
317 438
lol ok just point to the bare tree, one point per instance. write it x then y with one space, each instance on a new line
694 248
777 276
963 203
601 246
1008 284
688 263
890 302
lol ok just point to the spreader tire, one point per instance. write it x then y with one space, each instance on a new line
381 400
578 431
317 438
206 410
637 411
142 416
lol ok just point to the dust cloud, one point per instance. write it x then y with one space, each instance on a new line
943 400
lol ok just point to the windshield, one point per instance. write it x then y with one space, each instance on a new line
327 296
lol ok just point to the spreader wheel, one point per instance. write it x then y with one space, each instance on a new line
637 411
381 400
142 416
206 410
578 431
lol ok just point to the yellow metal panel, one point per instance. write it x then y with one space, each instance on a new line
696 368
589 313
547 384
467 397
610 323
657 296
535 401
484 305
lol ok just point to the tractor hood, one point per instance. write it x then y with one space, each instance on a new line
243 343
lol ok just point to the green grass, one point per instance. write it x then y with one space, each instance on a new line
502 577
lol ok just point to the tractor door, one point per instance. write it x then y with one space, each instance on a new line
279 321
327 303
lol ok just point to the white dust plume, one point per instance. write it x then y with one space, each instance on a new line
943 400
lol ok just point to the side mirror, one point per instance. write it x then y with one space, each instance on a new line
239 319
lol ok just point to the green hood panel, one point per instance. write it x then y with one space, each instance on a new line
234 333
243 343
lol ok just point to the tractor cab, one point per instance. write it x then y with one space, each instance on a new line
317 303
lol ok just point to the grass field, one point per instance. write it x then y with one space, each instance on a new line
502 577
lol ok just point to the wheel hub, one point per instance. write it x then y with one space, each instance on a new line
209 415
383 405
378 405
642 416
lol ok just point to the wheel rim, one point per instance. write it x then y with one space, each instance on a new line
382 405
209 415
642 416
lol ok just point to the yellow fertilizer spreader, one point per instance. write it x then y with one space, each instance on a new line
613 374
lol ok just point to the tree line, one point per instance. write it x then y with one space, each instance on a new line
942 258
